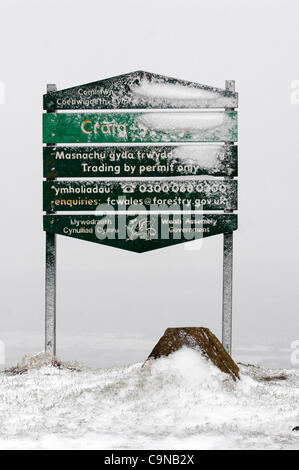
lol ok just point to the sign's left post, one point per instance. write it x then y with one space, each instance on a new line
50 291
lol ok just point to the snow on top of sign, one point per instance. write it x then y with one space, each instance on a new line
182 121
207 157
171 91
141 90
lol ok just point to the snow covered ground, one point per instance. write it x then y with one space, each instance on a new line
179 402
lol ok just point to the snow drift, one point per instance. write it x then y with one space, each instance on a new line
181 402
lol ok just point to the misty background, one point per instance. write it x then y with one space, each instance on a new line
112 305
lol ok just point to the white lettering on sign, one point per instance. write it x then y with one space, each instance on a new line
105 128
103 168
94 92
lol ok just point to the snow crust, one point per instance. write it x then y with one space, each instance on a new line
179 402
204 156
182 121
172 91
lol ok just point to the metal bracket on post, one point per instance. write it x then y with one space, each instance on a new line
227 269
50 292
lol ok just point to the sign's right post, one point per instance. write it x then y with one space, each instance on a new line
227 270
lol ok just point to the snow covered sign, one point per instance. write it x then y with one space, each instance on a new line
112 127
141 161
158 155
167 195
140 90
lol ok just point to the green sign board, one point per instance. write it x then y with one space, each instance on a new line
168 195
140 233
156 155
112 127
140 161
139 90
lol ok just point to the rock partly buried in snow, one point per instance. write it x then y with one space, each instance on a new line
200 339
38 361
28 363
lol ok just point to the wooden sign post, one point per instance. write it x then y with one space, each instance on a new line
168 149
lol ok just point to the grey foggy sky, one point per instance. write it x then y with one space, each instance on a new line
104 290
